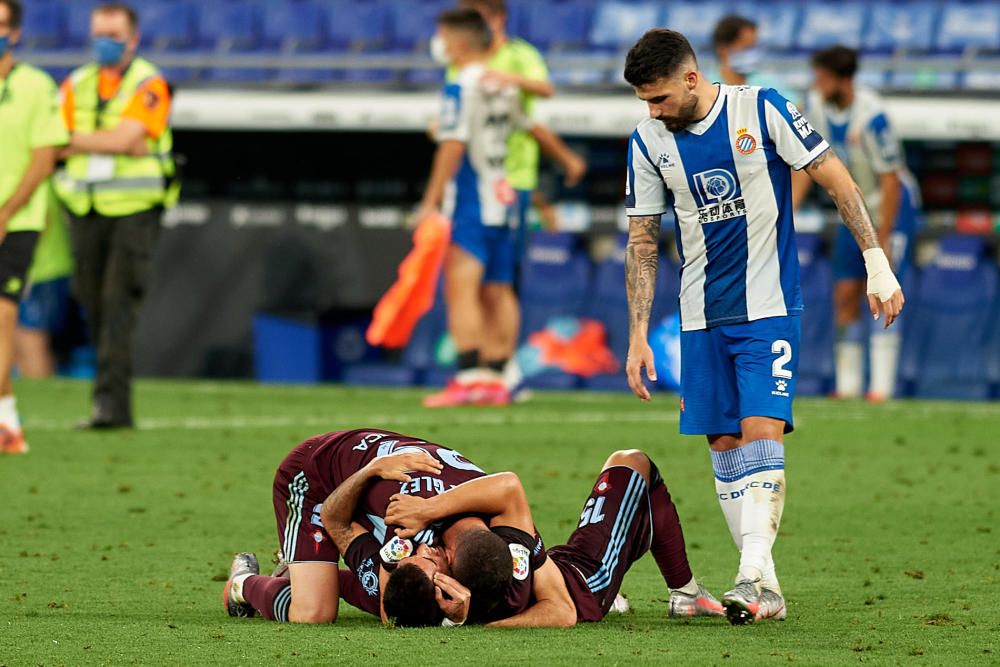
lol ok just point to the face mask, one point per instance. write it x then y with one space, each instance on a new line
107 51
747 61
4 44
438 50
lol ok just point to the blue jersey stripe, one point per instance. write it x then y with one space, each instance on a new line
468 208
712 177
781 185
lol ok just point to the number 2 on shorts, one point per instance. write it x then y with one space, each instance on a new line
783 348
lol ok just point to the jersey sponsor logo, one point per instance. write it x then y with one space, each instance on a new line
780 388
521 556
799 122
665 160
745 143
774 487
724 211
368 578
396 550
714 186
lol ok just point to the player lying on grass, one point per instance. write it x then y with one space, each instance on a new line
628 512
330 495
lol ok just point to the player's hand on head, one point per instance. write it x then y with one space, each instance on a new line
640 355
453 598
396 466
407 512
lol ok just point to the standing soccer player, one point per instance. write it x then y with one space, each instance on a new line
720 156
30 133
855 121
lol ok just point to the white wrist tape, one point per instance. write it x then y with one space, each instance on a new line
448 623
881 281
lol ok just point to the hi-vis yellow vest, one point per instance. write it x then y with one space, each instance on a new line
136 183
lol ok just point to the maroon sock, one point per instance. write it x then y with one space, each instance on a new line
271 596
668 537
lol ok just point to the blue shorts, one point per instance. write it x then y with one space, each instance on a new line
732 372
45 306
492 246
849 263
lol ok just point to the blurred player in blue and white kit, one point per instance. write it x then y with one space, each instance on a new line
721 157
468 182
855 122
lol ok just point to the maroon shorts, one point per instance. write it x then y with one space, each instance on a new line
301 535
615 530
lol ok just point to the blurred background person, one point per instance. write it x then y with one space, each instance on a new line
854 120
515 62
45 309
30 133
116 183
739 55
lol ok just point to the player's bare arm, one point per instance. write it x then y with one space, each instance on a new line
43 160
447 160
573 165
553 608
884 292
339 506
500 496
641 260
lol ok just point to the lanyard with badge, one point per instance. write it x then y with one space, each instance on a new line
100 166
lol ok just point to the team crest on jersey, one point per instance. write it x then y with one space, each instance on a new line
521 556
396 550
745 142
603 485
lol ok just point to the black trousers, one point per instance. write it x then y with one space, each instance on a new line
114 258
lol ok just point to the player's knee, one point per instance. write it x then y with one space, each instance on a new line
630 458
316 613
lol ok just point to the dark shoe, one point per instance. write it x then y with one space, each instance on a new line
243 563
101 424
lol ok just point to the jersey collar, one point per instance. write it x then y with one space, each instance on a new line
702 125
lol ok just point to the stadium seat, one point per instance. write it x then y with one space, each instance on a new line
816 361
829 24
78 22
618 25
777 23
901 27
43 26
233 28
297 30
414 23
696 21
168 26
945 346
971 26
558 27
357 26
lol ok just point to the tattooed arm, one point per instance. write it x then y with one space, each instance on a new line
641 260
884 293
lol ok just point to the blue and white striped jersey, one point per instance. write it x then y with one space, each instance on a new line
483 118
728 180
864 139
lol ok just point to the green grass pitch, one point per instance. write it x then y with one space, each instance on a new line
115 546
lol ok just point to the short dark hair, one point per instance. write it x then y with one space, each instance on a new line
838 60
119 7
658 54
728 30
491 6
16 11
409 599
469 21
483 564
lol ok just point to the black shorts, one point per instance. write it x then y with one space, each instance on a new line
17 250
615 530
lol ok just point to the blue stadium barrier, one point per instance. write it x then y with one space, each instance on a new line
617 25
302 350
901 27
829 24
974 25
947 340
816 360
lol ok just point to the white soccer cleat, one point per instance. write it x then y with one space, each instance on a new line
771 605
702 603
620 605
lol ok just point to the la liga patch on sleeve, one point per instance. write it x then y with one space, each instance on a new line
521 556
